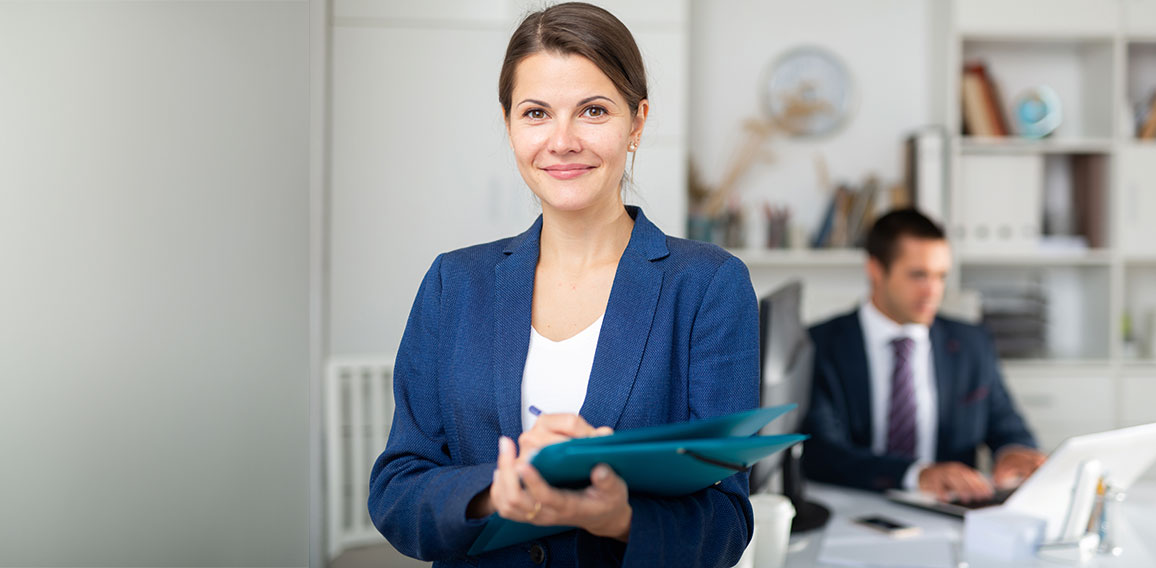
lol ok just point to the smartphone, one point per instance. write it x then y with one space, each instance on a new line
890 526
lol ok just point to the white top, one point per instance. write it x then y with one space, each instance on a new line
878 333
557 373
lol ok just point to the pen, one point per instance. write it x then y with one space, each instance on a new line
535 410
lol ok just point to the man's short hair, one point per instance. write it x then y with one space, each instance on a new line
883 240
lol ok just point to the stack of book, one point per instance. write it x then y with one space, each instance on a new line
848 216
1017 320
983 113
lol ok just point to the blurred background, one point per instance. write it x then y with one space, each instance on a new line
214 217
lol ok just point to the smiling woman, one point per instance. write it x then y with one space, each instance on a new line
570 130
592 314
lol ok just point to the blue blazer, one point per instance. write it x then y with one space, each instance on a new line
679 341
974 407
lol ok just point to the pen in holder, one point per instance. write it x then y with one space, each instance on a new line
1088 527
1108 521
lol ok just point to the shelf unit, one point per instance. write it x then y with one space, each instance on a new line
1100 57
1090 181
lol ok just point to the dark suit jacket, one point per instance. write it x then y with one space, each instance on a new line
974 406
679 341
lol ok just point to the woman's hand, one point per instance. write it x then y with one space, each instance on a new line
553 428
520 494
548 429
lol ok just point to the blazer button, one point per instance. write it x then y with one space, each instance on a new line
537 554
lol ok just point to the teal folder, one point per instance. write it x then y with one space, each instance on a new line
669 460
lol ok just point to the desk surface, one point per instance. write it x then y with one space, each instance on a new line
940 534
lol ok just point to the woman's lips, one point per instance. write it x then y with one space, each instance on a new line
567 171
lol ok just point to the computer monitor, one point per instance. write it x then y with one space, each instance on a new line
787 360
787 354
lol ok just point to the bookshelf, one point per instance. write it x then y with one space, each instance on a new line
1095 259
1070 217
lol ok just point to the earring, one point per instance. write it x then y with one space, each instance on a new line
633 155
632 146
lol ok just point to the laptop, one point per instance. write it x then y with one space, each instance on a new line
1124 455
929 502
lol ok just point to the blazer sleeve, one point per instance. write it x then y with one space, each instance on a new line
712 526
1005 425
831 455
417 496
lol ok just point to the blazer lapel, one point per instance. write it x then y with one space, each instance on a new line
945 352
626 326
852 363
513 303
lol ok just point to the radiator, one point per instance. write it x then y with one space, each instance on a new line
358 412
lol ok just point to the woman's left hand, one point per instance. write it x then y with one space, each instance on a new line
519 493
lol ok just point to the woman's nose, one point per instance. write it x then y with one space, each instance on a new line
564 139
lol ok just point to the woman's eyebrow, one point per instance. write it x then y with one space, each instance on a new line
594 98
534 102
580 103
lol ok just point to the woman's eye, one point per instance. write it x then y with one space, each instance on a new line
535 114
595 112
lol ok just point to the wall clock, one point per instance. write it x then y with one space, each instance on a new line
808 92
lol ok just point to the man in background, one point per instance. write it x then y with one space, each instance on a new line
902 398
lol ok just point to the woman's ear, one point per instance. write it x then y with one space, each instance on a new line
640 119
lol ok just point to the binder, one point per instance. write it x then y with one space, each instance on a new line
668 460
927 171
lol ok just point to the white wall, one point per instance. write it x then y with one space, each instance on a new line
154 239
419 159
889 47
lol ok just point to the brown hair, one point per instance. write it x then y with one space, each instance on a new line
883 239
577 28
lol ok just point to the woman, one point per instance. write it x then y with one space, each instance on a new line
592 315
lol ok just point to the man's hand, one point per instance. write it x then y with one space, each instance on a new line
954 480
1015 465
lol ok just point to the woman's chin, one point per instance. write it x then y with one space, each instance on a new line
574 203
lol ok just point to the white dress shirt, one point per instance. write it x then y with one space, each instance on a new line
557 373
878 333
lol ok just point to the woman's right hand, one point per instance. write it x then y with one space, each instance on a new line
553 428
548 429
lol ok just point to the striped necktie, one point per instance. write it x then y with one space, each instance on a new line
901 416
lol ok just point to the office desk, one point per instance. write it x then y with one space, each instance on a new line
1137 536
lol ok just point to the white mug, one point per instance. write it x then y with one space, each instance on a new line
768 547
